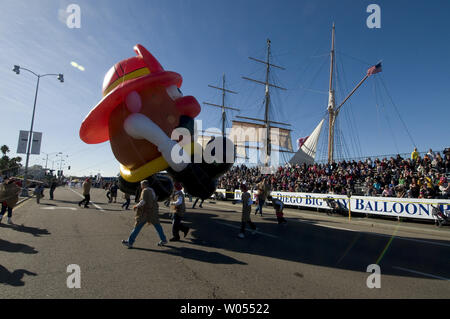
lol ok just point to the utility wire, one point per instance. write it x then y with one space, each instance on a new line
398 113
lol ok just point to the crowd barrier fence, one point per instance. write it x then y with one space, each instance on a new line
386 206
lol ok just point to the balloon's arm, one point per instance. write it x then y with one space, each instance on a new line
139 126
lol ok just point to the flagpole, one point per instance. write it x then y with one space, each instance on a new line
353 91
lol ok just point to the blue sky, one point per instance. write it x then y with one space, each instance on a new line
202 39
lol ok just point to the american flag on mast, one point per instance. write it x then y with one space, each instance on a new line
374 70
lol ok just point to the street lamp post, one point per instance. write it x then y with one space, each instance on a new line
46 158
61 161
39 76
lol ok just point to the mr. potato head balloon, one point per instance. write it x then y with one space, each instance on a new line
142 105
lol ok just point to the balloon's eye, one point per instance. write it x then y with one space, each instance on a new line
174 92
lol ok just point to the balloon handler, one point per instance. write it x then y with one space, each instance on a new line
141 111
278 206
178 208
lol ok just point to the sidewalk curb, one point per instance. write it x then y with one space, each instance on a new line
23 200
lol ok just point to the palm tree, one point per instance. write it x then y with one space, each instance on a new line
4 149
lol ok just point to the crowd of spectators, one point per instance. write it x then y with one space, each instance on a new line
414 177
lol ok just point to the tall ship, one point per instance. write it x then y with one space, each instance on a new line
308 146
261 141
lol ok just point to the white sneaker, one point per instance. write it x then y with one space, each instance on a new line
241 235
254 231
126 243
162 243
10 221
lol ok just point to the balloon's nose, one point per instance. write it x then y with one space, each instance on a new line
188 106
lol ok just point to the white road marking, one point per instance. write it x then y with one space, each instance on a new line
239 227
333 227
53 208
412 239
98 207
421 273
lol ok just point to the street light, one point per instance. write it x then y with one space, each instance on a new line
46 159
60 77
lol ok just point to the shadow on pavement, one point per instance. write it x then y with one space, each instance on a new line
67 201
310 243
16 248
14 278
35 231
195 254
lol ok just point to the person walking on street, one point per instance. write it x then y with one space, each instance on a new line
178 209
147 211
108 192
278 206
86 193
127 201
39 192
52 188
196 201
263 192
114 188
9 196
246 210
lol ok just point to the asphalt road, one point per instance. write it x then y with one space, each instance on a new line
314 256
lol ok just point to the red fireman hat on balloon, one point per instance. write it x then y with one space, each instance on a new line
137 85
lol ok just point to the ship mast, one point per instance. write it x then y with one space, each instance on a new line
267 85
331 105
267 103
333 111
223 107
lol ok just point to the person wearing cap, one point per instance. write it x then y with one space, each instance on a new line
9 196
86 193
246 210
147 211
278 206
178 209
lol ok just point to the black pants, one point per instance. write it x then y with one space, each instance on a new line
177 226
86 200
51 193
126 204
250 223
4 208
196 201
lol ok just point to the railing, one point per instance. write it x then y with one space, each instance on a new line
387 156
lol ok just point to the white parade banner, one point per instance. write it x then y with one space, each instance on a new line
386 206
401 207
